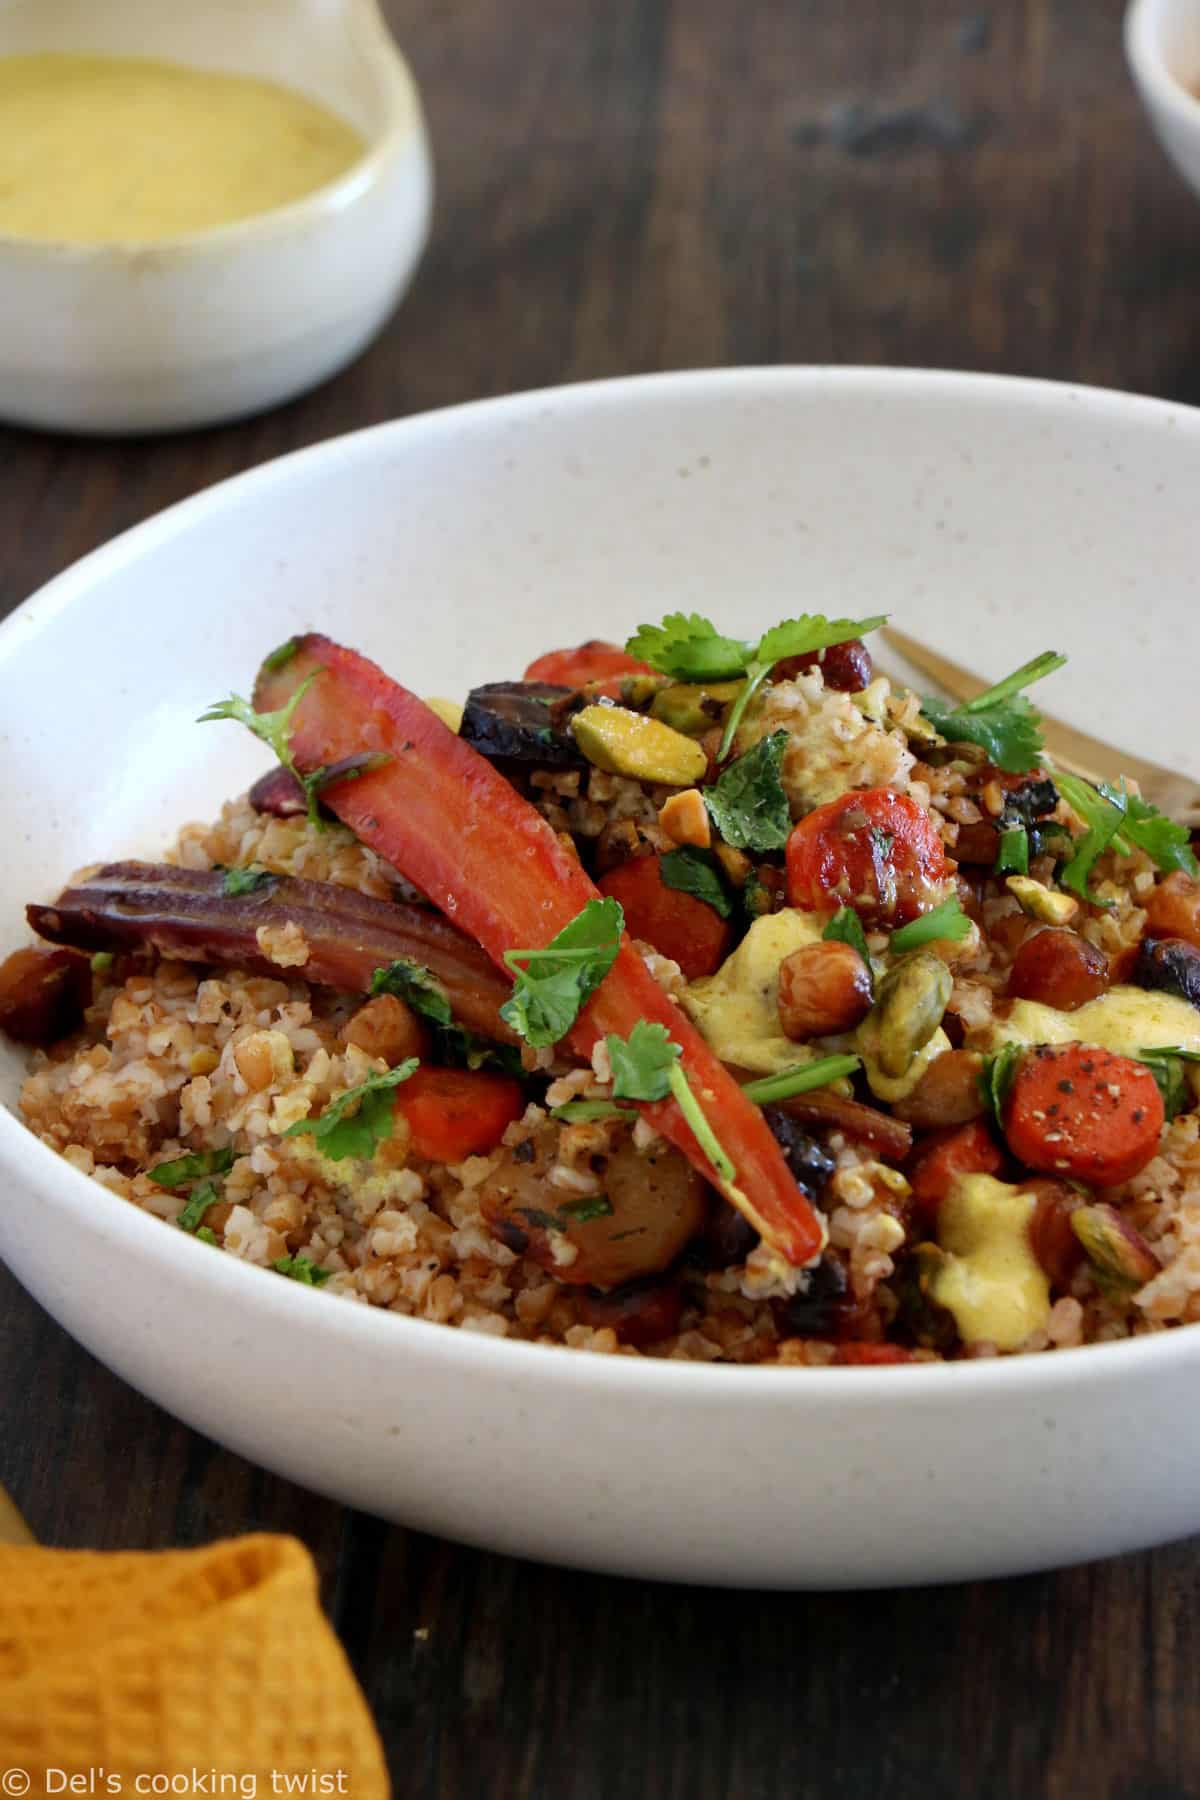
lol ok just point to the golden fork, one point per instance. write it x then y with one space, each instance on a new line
1076 752
13 1529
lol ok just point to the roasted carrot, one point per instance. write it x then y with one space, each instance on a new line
1076 1110
593 661
457 829
678 925
871 1355
941 1158
455 1113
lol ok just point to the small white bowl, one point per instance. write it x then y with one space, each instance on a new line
992 518
1162 42
124 338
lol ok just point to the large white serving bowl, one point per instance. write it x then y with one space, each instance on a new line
996 518
145 337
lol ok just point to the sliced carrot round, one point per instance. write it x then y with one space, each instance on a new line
455 1113
678 925
1080 1111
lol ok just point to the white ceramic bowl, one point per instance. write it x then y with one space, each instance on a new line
185 332
1162 42
993 517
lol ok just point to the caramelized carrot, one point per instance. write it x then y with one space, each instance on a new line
678 925
1077 1110
593 661
871 1355
455 1113
941 1158
457 829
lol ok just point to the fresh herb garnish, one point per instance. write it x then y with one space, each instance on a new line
420 988
1117 819
340 1132
198 1203
945 921
996 1078
646 1066
280 658
846 927
552 985
1012 857
273 728
802 1079
1166 1066
302 1269
207 1236
246 881
192 1167
748 804
351 768
1000 720
690 648
588 1112
588 1207
690 870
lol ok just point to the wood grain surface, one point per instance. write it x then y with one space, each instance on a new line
631 185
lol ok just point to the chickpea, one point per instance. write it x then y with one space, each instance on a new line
388 1027
823 988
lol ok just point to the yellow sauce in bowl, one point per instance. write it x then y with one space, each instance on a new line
101 150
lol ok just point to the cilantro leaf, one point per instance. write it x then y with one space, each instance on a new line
412 982
690 648
811 631
1103 821
996 1078
800 1080
302 1269
1012 857
690 870
846 927
646 1066
586 1112
1000 720
246 881
945 921
199 1201
1166 1066
341 1132
590 1206
747 804
1115 819
273 728
552 985
642 1062
1166 843
192 1167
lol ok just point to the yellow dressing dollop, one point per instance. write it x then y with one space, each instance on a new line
100 149
990 1279
737 1009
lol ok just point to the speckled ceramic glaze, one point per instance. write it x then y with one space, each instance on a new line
995 518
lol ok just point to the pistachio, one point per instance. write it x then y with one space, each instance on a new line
908 1009
1041 902
693 708
628 743
1121 1258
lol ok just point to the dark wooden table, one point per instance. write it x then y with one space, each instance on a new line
629 185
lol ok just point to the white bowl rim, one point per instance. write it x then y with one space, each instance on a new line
404 125
169 1253
1150 66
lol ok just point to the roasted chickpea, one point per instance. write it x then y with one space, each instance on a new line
823 988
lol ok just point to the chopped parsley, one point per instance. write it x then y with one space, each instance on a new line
207 1236
302 1269
690 870
197 1164
358 1121
996 1078
747 804
690 648
846 927
198 1203
646 1066
945 921
802 1079
552 985
1118 820
1000 720
246 881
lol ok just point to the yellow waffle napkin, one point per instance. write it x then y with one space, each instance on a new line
192 1664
